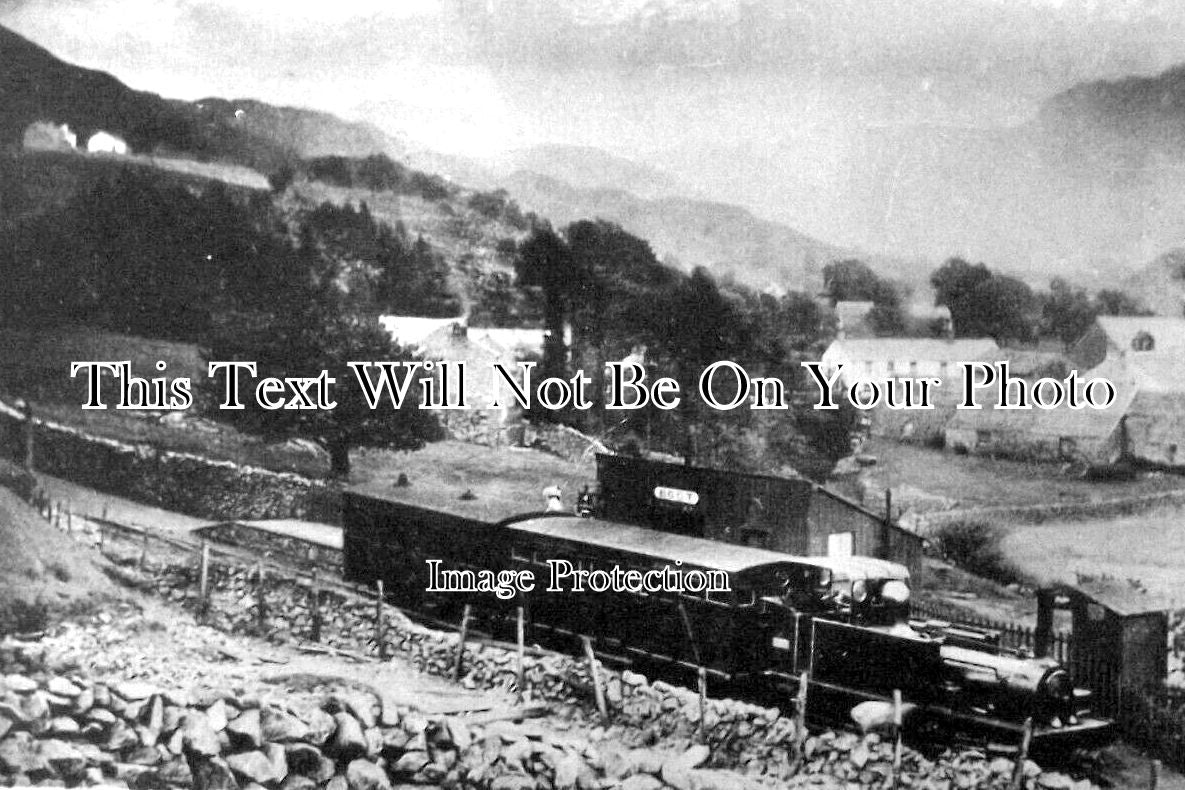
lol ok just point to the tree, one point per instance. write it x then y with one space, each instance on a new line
853 280
956 280
850 280
1067 312
302 342
545 262
983 303
1110 301
1002 308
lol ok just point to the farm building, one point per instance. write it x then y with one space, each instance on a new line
45 136
455 343
883 358
1135 341
1092 436
106 143
1154 427
412 331
792 515
892 357
1147 355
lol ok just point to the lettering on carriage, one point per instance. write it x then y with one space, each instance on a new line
565 577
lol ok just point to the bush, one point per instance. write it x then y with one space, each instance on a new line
20 616
976 547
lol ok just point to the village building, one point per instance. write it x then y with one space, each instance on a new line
411 331
865 359
1138 342
45 136
1143 357
106 143
1094 437
878 359
1146 353
852 319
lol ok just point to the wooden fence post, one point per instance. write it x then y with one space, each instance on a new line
599 692
461 642
69 520
521 677
144 552
102 534
203 582
29 429
379 635
800 714
897 722
260 590
315 594
1022 755
702 687
1154 775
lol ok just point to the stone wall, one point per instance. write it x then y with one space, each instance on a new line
67 730
181 482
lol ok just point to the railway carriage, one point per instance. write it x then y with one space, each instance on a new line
845 621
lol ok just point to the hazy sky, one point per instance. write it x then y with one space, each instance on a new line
630 75
733 97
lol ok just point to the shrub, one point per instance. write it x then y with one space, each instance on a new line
20 616
976 547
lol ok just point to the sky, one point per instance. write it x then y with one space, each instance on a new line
735 97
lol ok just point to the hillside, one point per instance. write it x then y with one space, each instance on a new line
43 573
1161 284
37 86
586 167
725 239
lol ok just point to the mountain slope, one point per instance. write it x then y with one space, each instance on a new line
37 86
726 239
1161 284
586 167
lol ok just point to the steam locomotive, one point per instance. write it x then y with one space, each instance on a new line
752 619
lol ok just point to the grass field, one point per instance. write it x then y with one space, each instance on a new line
35 365
1148 548
979 481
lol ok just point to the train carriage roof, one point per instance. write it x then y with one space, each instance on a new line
693 551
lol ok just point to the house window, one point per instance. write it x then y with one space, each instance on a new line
982 437
839 544
868 367
913 368
1143 342
1172 453
889 366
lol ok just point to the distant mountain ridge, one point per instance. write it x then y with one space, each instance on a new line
585 167
725 239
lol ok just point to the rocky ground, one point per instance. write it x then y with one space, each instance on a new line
143 696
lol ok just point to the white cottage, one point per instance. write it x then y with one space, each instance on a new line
106 143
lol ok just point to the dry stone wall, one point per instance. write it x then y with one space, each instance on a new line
181 482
